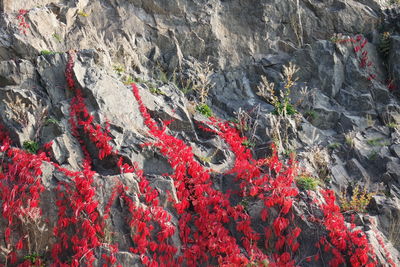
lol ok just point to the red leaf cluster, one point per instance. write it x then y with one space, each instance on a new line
22 24
359 43
342 240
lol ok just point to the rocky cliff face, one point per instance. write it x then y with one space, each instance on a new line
107 157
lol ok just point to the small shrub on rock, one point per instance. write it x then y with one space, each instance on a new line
307 182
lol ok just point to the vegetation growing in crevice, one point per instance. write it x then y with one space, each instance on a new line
204 109
31 146
305 182
282 102
358 201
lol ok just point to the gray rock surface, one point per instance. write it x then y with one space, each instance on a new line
346 132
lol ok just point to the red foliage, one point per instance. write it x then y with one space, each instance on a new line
195 191
381 242
359 43
78 210
343 241
23 25
206 215
275 187
20 189
81 119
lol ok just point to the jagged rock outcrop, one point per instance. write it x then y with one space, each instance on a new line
346 92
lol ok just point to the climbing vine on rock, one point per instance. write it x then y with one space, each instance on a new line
212 229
